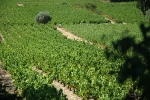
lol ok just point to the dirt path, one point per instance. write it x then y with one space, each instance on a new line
66 91
70 35
2 38
9 92
111 21
6 80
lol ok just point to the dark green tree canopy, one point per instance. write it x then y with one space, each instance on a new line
43 17
144 5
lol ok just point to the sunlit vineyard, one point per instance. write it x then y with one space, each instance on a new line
77 64
105 34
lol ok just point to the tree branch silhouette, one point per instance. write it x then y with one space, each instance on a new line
136 64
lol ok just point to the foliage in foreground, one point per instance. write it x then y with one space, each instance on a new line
136 65
143 5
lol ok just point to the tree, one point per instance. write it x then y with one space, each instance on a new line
144 5
43 17
137 62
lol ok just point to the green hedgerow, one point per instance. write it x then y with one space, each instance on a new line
43 17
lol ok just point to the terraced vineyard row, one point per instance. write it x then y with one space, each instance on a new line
105 33
14 14
80 65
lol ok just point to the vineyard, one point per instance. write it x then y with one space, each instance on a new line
80 65
102 35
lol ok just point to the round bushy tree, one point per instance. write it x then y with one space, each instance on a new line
43 17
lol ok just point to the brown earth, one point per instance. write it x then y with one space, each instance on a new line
7 88
71 36
2 38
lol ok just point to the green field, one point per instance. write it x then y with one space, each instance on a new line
77 64
105 33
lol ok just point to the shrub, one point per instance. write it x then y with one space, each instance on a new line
43 17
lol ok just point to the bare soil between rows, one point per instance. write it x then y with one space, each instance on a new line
7 88
71 36
66 91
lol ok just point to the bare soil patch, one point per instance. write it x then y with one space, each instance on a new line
111 21
7 88
2 38
6 80
20 4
